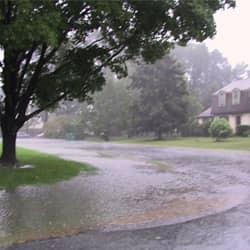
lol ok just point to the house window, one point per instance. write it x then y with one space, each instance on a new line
222 99
238 120
236 96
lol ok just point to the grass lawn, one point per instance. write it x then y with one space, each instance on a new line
233 143
47 169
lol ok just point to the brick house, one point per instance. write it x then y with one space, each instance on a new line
231 102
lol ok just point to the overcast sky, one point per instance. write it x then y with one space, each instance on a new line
233 33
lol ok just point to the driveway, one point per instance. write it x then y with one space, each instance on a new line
142 197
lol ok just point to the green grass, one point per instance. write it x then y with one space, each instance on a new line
47 169
233 143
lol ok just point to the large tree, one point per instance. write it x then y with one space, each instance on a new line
56 49
163 99
207 70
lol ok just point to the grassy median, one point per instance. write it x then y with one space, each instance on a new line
45 169
233 143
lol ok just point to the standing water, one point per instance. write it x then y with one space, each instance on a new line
133 188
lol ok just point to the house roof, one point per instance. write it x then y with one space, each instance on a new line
240 84
206 113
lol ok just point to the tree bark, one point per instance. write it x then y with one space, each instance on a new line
159 134
9 134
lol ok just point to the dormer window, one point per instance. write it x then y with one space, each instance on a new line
236 96
222 99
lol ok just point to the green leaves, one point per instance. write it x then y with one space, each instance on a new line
30 22
162 103
220 128
59 49
109 112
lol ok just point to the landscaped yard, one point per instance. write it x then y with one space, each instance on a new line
44 168
233 143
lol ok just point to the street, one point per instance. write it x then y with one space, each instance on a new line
141 197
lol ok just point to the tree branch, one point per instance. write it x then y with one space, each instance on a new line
95 42
38 68
48 105
122 47
61 97
25 67
119 48
25 98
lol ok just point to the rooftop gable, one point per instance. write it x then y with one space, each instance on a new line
240 84
206 113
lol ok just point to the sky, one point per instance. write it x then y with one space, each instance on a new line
233 33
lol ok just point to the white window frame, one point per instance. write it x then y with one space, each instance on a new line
235 97
222 99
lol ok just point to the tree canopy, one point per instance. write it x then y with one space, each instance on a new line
207 70
57 49
109 112
163 100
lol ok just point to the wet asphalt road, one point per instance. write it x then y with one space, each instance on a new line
189 174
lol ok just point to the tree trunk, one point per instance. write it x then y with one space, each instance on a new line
9 134
159 134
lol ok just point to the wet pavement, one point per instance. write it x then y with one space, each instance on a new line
141 197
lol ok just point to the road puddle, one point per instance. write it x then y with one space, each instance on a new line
177 211
79 205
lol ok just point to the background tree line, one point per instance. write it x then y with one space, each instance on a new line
59 50
160 99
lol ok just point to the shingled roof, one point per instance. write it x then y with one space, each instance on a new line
240 84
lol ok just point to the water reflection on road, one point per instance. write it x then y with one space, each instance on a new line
134 187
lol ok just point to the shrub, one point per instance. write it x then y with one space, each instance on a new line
205 127
63 126
193 128
220 129
243 130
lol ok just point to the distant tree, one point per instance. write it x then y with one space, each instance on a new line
109 111
240 71
54 50
62 126
163 99
207 71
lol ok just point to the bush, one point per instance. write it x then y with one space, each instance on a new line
63 126
193 128
243 130
205 128
220 129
